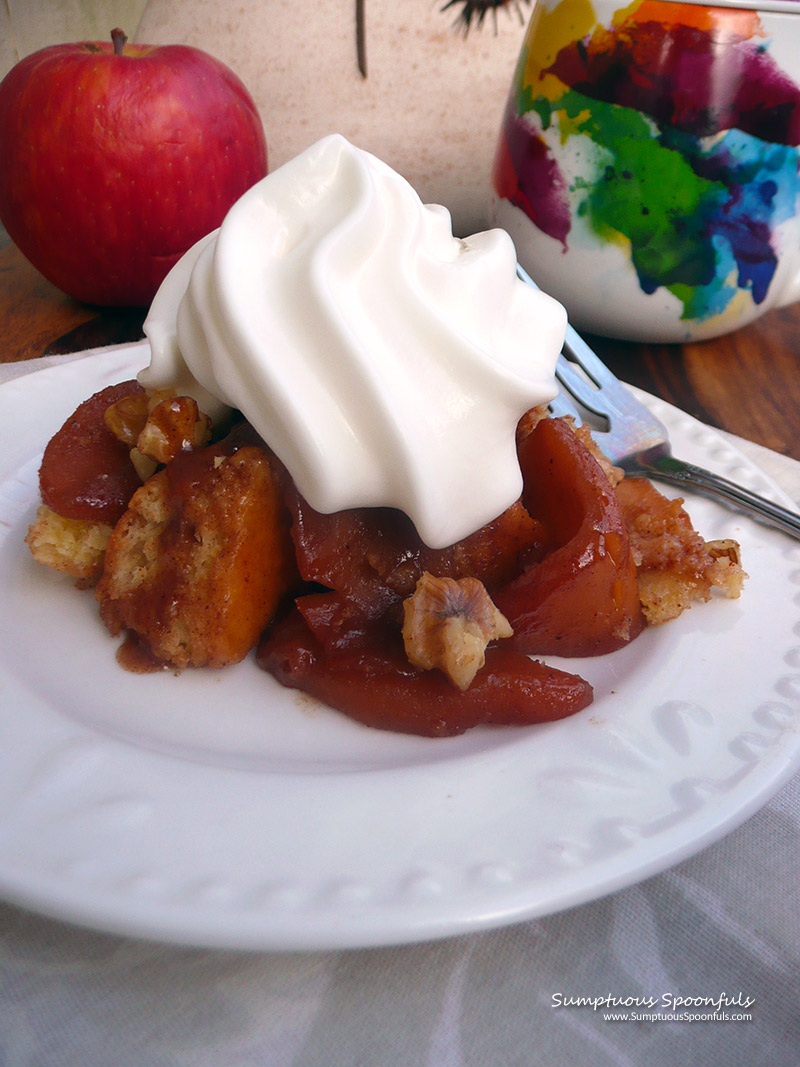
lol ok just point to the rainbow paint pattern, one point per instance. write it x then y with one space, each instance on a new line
698 129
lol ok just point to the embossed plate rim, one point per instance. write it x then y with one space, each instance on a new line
419 839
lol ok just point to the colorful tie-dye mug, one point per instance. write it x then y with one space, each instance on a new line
647 166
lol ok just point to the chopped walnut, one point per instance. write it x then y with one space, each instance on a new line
126 418
145 466
448 623
173 426
726 574
725 549
157 427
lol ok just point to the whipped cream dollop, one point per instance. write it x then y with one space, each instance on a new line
385 361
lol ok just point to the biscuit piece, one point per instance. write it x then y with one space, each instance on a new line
676 567
72 546
197 565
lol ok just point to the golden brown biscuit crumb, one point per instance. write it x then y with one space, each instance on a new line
675 565
198 563
72 546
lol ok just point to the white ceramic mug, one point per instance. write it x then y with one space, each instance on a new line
647 166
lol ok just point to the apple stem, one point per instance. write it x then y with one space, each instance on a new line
119 38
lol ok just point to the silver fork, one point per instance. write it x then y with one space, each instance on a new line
635 440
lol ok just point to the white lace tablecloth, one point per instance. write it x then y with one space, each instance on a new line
723 926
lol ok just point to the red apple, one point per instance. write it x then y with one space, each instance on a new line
114 163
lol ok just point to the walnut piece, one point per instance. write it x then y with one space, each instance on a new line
126 418
174 425
726 573
157 427
448 623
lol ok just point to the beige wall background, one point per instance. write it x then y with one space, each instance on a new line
27 25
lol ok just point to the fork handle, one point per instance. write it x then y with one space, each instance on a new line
677 472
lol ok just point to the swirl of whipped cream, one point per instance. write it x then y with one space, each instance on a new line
385 361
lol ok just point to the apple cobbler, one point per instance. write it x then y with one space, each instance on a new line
201 549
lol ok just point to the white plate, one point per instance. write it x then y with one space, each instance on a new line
220 809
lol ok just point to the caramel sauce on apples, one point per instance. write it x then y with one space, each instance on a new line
135 656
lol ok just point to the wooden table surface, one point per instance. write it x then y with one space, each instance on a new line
747 382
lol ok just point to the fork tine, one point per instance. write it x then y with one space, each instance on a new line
608 396
578 350
637 441
585 392
604 394
562 405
